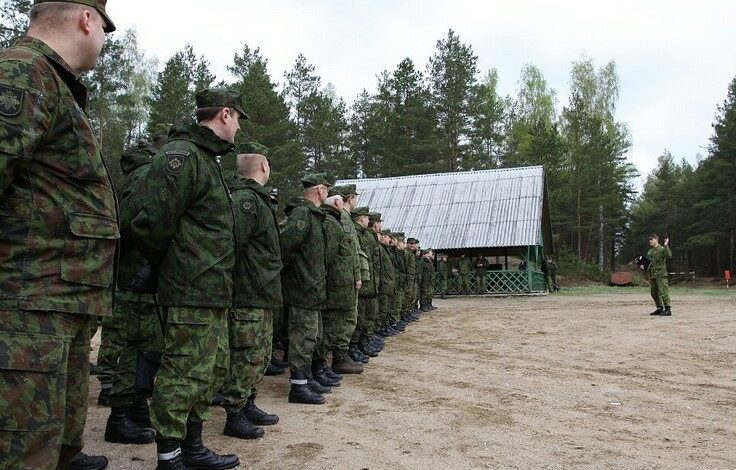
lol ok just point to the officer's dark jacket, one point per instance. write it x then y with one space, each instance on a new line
258 263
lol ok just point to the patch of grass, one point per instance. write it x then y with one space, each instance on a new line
604 289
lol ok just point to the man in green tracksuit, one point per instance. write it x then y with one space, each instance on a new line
304 279
186 230
660 290
257 294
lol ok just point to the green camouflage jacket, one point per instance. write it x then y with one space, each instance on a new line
340 257
442 268
258 266
463 266
659 257
369 246
400 267
411 267
388 272
58 215
185 226
304 277
134 164
427 272
347 223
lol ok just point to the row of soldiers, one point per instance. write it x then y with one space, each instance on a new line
196 256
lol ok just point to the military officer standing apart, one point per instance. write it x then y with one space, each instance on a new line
305 286
58 235
186 229
257 295
658 283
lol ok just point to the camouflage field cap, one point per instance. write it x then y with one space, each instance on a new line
375 217
335 191
220 98
360 211
349 190
98 5
386 232
399 236
255 147
315 179
653 236
412 241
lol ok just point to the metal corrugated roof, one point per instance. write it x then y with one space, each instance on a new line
467 209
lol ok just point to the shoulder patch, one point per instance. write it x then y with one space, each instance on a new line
11 101
301 225
247 207
175 162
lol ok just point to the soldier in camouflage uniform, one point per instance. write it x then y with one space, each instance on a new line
136 313
257 293
58 236
463 273
426 281
342 361
186 231
444 271
368 290
480 264
305 286
658 255
388 286
397 251
370 340
412 272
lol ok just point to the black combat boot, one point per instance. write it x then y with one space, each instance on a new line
343 363
120 429
196 456
273 369
319 373
139 412
365 348
315 385
301 392
666 312
400 326
283 364
103 399
238 425
357 355
331 373
169 455
658 311
82 461
257 415
217 399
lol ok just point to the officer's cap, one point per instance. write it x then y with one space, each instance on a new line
315 179
220 97
360 211
375 217
98 5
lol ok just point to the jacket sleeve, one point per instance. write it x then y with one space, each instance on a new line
165 195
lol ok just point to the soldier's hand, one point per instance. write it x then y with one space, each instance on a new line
666 241
358 285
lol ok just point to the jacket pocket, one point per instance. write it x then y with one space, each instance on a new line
30 365
244 327
89 250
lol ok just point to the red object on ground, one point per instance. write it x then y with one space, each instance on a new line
727 273
621 278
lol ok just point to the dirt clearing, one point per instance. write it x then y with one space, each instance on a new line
573 381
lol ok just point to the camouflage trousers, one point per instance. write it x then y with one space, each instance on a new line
367 314
194 366
425 295
443 285
143 333
463 284
384 311
305 331
251 333
660 290
112 342
398 305
44 384
408 295
338 326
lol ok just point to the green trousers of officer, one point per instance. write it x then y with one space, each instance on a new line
251 332
143 333
660 290
194 366
112 342
305 330
44 384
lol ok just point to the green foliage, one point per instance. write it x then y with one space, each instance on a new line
572 267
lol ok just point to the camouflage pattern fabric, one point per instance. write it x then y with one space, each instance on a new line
367 315
112 342
444 273
337 328
44 385
340 258
143 333
658 283
59 226
463 271
185 225
194 366
305 330
250 332
660 291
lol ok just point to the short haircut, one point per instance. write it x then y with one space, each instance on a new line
208 114
249 163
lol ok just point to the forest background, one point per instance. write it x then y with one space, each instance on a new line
441 116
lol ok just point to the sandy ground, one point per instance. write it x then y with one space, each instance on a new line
536 382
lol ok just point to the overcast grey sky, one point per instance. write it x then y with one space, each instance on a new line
675 58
